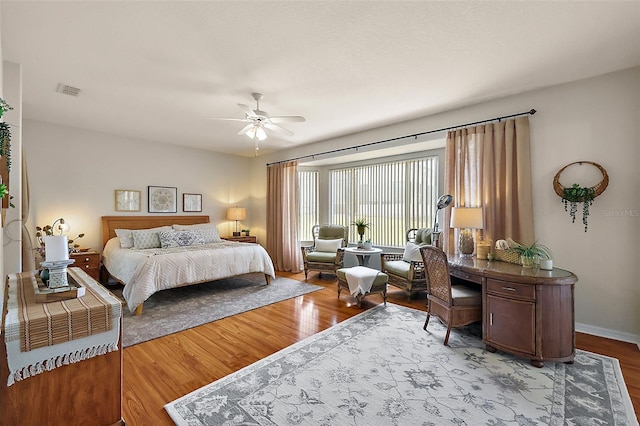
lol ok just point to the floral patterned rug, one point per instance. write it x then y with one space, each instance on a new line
381 368
177 309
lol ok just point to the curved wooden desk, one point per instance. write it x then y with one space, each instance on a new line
528 312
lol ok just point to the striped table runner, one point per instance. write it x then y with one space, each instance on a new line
48 324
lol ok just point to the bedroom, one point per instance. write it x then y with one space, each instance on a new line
593 118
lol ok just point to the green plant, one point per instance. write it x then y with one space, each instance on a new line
362 225
531 251
578 194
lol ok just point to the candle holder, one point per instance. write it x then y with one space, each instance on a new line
57 272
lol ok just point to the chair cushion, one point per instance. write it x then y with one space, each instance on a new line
423 236
465 296
321 256
330 246
380 279
411 252
397 267
328 232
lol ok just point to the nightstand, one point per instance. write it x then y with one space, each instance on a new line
247 239
89 261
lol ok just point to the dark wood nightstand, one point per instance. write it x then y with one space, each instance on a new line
89 261
242 239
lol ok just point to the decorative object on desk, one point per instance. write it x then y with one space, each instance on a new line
245 232
442 203
162 199
191 202
483 247
59 226
529 255
127 200
236 213
361 226
466 218
578 194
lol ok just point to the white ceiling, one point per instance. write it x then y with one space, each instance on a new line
152 70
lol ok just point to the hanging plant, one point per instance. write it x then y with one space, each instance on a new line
5 144
578 194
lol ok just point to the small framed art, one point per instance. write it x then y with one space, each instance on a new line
162 199
191 202
127 200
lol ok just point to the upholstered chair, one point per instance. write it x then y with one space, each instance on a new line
453 305
327 252
405 270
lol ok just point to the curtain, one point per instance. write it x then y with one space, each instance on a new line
489 166
28 259
282 217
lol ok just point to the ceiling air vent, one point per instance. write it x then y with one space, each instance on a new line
68 90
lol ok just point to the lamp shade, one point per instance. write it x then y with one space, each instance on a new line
236 213
466 217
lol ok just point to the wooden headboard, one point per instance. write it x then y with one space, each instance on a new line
111 223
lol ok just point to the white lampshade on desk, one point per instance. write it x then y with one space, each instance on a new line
236 213
466 219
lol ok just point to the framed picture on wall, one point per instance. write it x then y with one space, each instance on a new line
127 200
191 202
162 199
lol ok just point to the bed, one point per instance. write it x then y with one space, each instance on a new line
144 268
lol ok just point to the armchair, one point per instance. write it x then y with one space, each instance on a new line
406 270
327 253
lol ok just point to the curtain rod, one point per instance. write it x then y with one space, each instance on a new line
415 135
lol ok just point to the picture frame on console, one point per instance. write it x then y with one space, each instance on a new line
163 199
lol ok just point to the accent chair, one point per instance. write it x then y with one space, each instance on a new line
327 253
453 305
406 270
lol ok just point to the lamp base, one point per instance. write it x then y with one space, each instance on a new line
465 242
236 233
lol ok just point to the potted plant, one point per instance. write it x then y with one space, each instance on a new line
529 255
578 194
361 225
368 245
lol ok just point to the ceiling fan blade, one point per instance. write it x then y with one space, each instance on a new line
287 119
247 110
227 119
279 129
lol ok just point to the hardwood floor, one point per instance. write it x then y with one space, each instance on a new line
164 369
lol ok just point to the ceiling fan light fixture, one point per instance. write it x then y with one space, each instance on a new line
256 132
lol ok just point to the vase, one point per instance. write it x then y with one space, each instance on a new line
527 261
44 275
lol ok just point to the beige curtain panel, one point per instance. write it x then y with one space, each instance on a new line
282 217
489 166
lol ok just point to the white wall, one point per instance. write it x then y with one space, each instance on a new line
73 174
598 120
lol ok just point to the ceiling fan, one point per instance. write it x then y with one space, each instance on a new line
259 120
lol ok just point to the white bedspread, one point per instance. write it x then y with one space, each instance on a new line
360 279
145 272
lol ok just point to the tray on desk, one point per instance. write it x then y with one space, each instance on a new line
45 294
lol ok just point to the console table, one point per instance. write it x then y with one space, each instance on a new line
527 312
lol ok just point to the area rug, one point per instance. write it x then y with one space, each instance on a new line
381 368
177 309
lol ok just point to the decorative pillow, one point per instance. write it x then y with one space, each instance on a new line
126 237
328 246
173 238
412 252
209 231
148 238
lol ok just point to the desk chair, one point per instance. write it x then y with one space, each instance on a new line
453 305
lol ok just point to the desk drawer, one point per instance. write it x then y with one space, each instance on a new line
466 276
508 289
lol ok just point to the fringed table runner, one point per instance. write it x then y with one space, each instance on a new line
43 336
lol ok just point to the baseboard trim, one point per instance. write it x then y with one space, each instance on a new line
609 334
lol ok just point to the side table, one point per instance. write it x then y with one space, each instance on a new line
89 261
242 239
363 255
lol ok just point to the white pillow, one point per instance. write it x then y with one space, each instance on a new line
173 238
126 237
209 231
148 238
329 246
412 253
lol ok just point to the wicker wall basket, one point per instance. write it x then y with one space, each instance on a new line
507 256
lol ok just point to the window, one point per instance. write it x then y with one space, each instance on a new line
392 196
308 198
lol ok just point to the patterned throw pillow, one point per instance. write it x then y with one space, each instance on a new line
172 238
209 231
148 238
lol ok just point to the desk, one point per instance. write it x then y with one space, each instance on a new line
362 254
527 312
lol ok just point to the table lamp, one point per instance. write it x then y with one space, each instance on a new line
466 218
236 213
